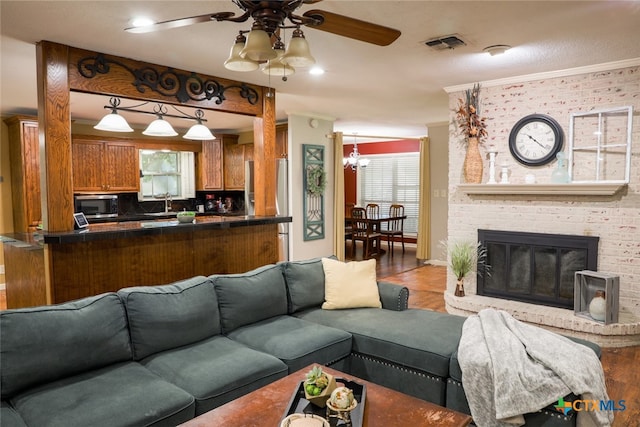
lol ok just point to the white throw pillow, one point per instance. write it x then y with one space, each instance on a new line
350 285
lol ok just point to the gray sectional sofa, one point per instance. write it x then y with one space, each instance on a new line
161 355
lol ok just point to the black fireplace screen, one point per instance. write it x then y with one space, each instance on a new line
534 267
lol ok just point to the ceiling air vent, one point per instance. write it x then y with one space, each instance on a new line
447 42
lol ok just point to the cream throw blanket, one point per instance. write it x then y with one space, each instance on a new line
510 368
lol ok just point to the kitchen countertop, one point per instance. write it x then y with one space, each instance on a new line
149 226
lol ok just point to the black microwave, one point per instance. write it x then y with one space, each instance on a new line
97 205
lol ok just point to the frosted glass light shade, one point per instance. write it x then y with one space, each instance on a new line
277 69
113 122
298 53
235 62
159 127
199 132
258 46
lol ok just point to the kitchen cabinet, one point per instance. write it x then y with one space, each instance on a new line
233 161
24 157
209 165
105 166
282 141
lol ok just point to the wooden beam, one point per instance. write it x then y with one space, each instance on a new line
264 158
54 124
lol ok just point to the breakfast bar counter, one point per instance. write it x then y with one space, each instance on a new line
49 268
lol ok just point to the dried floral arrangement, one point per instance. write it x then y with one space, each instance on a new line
468 117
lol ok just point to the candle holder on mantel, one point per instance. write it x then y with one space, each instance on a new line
595 296
492 152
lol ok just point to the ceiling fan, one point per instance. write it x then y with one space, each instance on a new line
272 16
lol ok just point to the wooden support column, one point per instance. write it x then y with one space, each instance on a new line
54 124
264 157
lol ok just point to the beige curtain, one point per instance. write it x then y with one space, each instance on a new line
338 197
423 250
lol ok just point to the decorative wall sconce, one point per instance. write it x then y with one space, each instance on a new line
114 122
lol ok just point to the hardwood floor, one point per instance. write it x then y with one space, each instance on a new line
426 284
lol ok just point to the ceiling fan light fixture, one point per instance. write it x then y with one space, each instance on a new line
113 122
277 68
160 127
298 53
236 62
258 45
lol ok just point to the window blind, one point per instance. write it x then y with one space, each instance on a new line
392 179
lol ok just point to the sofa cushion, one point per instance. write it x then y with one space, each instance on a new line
350 285
42 344
169 316
124 394
305 283
250 297
216 370
296 342
9 417
419 339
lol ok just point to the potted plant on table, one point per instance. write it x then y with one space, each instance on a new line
318 386
465 257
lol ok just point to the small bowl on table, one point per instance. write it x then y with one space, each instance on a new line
186 217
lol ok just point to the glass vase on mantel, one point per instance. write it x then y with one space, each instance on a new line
472 167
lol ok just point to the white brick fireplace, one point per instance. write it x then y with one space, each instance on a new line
615 219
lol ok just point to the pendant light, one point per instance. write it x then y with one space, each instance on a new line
113 122
199 131
159 127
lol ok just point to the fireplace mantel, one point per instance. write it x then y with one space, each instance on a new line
576 189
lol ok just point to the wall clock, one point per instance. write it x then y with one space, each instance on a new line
535 140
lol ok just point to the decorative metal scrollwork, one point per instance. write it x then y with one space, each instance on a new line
170 82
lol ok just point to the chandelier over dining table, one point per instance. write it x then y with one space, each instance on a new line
355 159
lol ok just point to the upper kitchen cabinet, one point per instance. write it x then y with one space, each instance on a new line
209 165
105 166
282 141
234 156
25 172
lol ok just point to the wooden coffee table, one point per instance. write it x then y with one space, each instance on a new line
383 407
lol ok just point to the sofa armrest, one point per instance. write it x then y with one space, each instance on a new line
393 297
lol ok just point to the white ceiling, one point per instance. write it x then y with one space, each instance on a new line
395 90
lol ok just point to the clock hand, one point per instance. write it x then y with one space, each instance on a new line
534 140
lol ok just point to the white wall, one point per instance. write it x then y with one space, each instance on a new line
300 132
615 219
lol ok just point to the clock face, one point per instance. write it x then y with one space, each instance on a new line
535 140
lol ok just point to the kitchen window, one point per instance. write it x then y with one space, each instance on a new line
166 172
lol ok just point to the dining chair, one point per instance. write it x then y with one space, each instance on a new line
395 227
373 210
363 232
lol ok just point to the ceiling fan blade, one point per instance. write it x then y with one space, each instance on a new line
182 22
353 28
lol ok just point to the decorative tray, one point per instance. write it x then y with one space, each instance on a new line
298 404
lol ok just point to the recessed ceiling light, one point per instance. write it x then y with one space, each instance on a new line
142 22
316 71
496 49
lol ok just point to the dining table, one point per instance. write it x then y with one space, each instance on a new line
374 224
